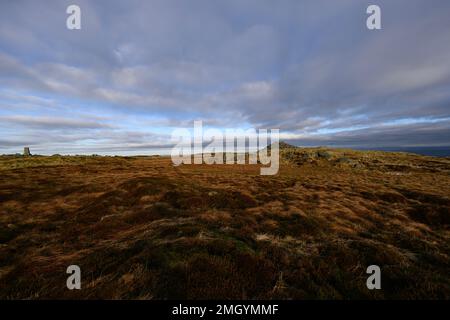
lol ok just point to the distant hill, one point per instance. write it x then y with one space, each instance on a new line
284 145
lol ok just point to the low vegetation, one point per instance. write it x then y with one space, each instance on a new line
140 228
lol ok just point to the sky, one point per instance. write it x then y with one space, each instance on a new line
137 70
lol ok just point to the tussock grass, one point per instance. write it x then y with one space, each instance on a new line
140 228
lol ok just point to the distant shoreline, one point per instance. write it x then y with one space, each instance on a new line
424 151
442 151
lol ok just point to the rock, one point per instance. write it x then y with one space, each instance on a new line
305 156
284 145
344 160
323 154
357 165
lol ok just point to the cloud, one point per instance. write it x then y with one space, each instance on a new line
309 68
49 123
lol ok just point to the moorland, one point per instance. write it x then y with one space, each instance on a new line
141 228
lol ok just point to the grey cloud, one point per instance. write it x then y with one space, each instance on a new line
49 123
384 136
301 66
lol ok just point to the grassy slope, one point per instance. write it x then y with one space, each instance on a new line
141 228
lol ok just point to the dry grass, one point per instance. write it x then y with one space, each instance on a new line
140 228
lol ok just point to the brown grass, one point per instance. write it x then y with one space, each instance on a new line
140 228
